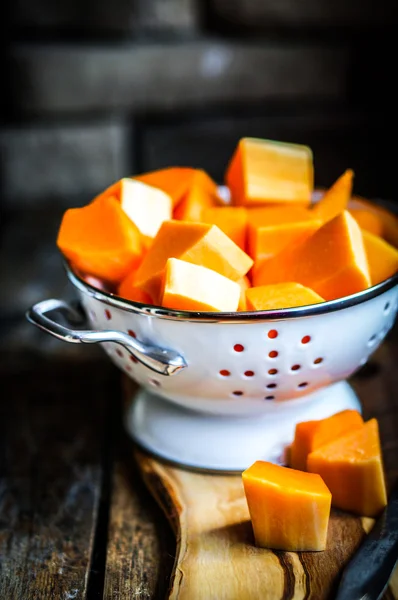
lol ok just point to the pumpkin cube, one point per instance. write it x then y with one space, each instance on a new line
388 219
335 199
269 172
174 181
352 468
147 206
194 288
201 194
244 284
280 295
382 258
100 239
311 435
128 290
289 509
367 220
270 230
231 220
197 243
332 262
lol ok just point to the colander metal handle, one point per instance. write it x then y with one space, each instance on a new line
160 360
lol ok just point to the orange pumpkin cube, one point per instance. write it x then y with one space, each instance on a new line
147 206
244 284
174 181
128 290
289 509
388 219
311 435
197 243
367 220
269 172
280 295
270 230
100 239
193 204
231 220
332 262
194 288
335 199
352 468
382 258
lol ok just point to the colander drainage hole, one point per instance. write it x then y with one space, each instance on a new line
133 359
225 373
270 397
272 371
273 354
131 333
271 386
306 339
303 384
108 314
318 361
238 348
119 352
296 367
387 308
237 393
272 334
249 373
154 382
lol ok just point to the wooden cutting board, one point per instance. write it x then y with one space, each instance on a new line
216 558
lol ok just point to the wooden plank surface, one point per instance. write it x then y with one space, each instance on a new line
52 422
141 547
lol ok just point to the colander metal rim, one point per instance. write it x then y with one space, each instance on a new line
224 317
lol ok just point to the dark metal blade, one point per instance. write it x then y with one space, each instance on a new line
366 575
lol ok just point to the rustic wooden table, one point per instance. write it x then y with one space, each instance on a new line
76 520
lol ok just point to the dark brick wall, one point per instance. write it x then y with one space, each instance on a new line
95 90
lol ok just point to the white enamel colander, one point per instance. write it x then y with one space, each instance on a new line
219 390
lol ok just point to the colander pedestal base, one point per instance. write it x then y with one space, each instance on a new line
224 443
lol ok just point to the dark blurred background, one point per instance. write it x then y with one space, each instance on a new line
96 90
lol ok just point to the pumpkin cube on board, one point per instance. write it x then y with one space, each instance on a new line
230 219
352 468
197 243
289 509
367 220
336 198
332 262
174 181
382 258
270 230
148 207
311 435
270 172
280 295
100 239
194 288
